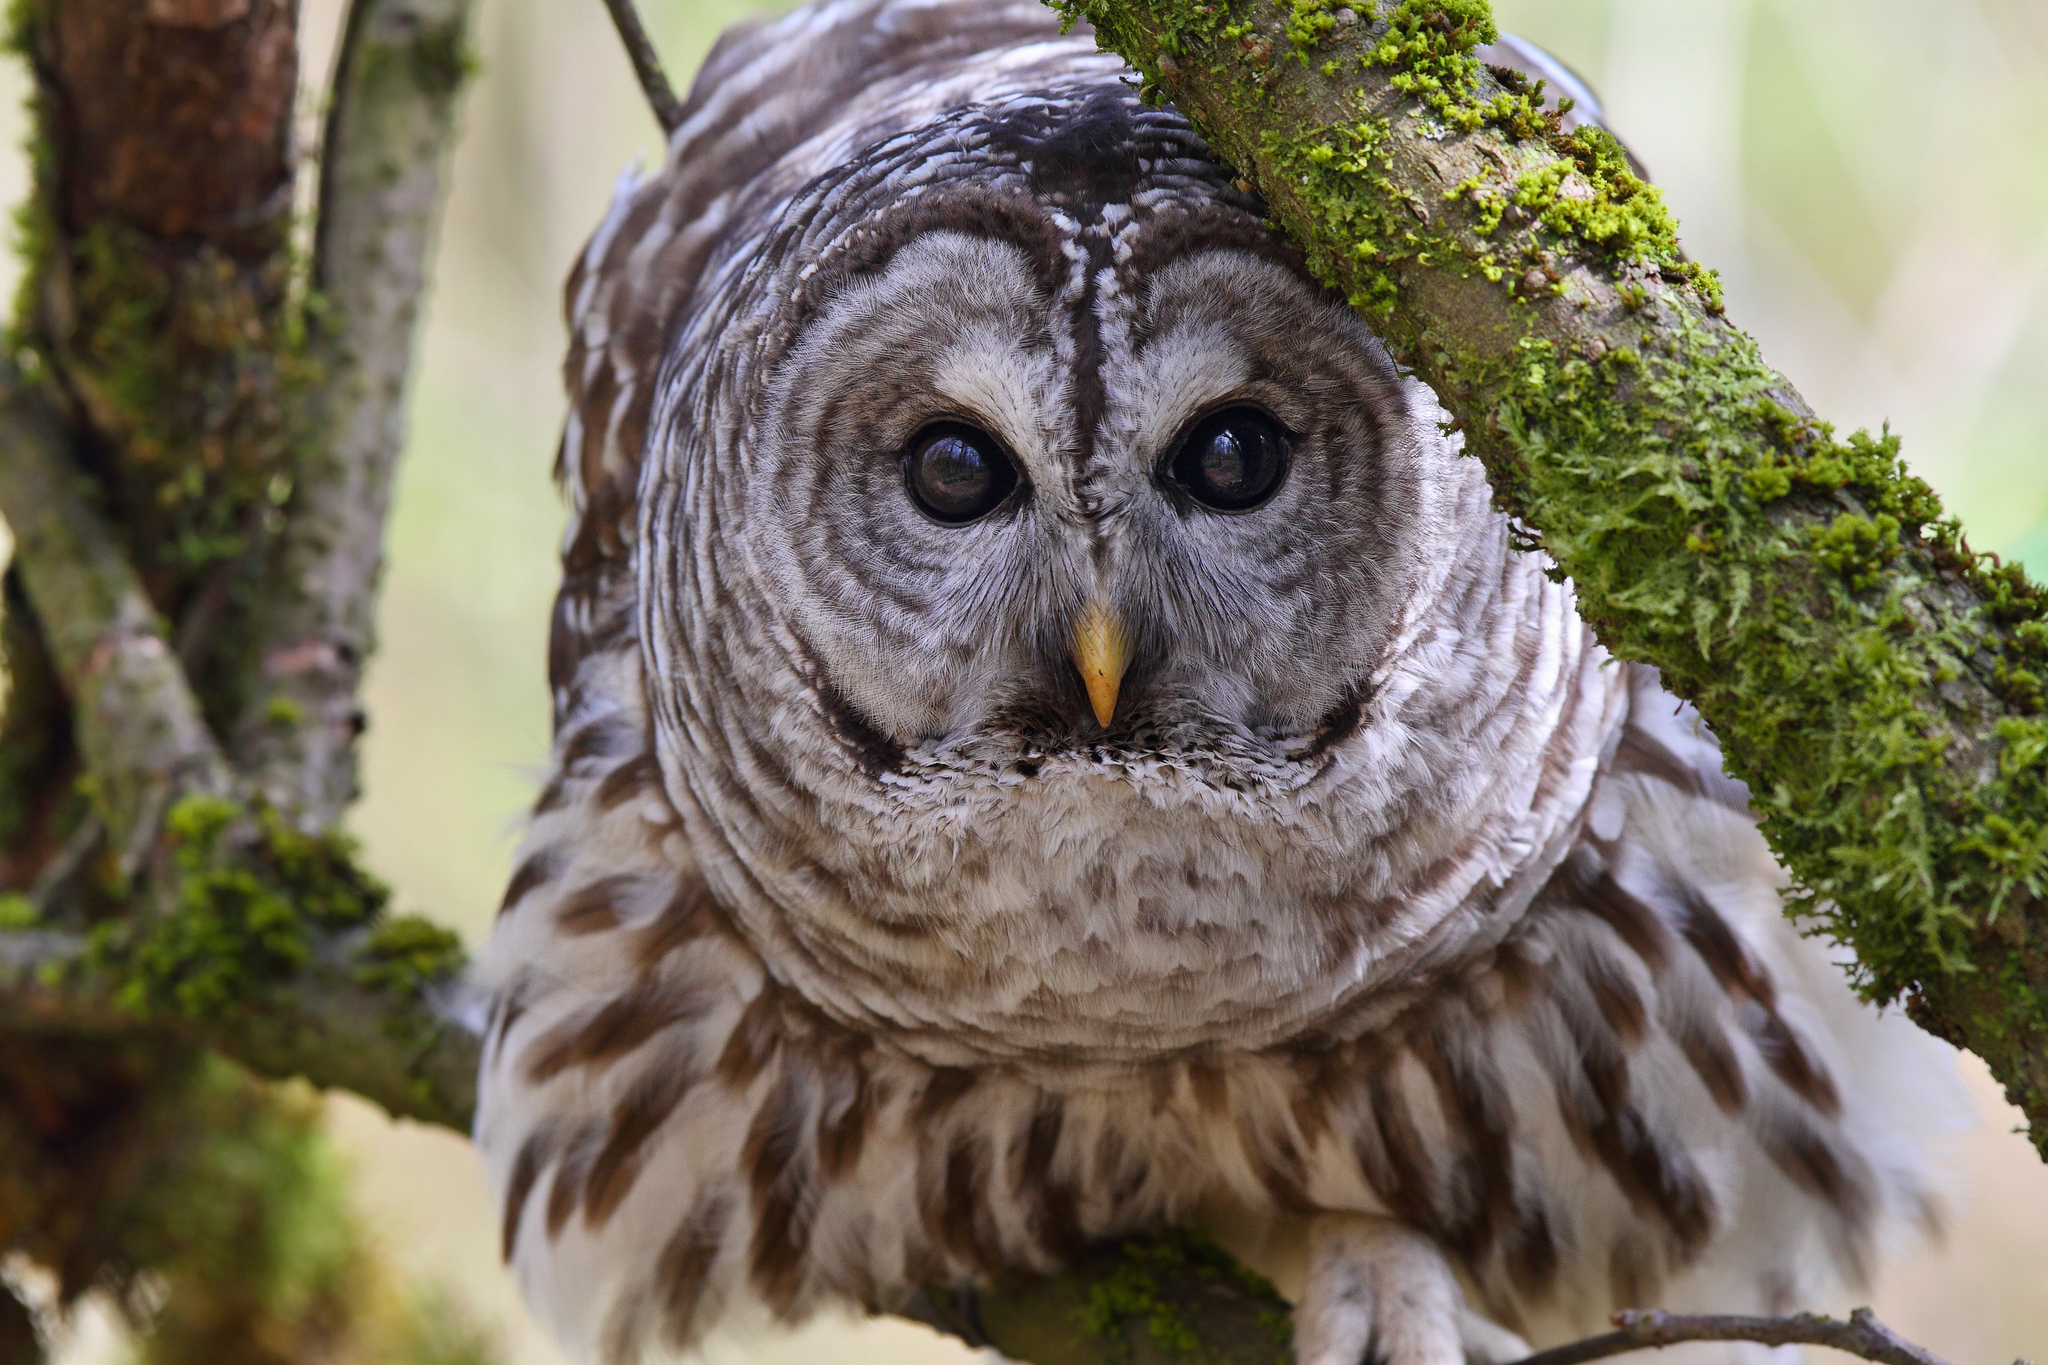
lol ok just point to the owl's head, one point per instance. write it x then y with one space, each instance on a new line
1033 554
1070 456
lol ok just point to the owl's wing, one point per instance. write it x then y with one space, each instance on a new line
1711 1059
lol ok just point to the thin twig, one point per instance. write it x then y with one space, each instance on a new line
383 173
138 725
661 96
1862 1335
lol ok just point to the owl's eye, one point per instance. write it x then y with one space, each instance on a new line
1232 461
956 474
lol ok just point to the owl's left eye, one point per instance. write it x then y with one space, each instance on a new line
957 474
1232 461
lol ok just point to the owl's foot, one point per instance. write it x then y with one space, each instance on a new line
1379 1291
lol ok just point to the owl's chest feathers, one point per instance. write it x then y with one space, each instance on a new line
1103 912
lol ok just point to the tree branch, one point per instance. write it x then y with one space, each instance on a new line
346 1007
264 944
1862 1335
139 728
383 168
338 1018
1882 690
661 96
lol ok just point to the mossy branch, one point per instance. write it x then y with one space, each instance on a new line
269 946
1173 1298
397 1049
138 726
1878 686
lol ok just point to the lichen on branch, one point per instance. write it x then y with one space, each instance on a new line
382 180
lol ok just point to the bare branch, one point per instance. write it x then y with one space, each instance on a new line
383 170
1862 1335
661 96
138 725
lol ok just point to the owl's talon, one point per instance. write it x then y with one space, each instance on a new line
1379 1291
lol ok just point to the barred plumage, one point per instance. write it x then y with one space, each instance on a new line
850 955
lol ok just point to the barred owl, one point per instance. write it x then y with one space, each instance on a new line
1053 742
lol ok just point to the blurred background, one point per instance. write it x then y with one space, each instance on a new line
1870 177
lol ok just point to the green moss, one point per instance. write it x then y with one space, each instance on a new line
188 367
1588 203
1622 217
406 952
1818 692
248 889
18 912
1157 1285
1858 547
322 874
1428 45
1581 199
1328 169
1307 23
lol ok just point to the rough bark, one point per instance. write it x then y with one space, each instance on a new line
381 180
197 490
343 1008
137 724
156 305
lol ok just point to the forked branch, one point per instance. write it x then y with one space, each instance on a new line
383 176
262 939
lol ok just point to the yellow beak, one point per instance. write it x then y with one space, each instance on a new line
1099 654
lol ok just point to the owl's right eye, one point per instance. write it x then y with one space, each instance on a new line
956 474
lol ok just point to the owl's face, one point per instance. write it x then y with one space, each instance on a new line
1200 486
1067 632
